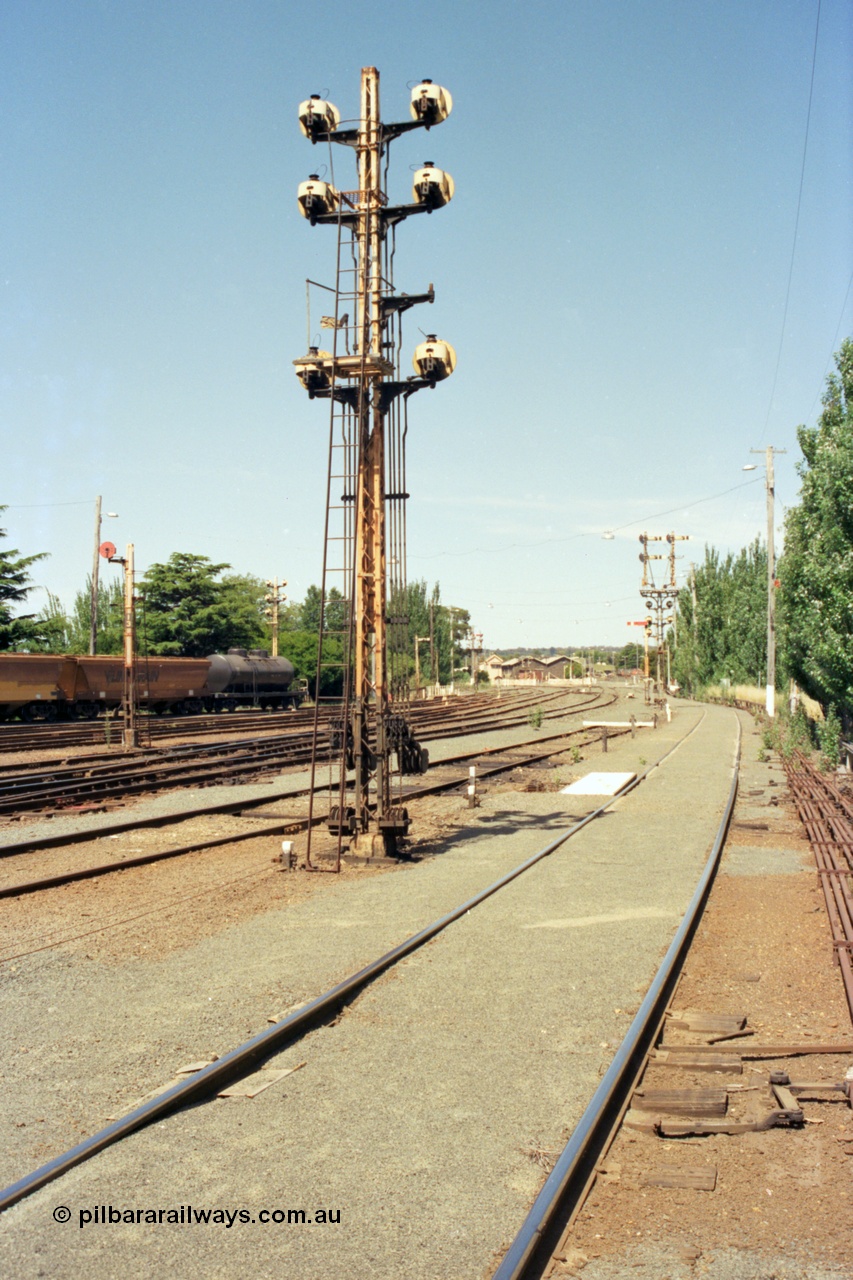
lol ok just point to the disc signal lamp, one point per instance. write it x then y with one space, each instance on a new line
432 186
430 103
316 198
318 117
107 550
311 371
434 359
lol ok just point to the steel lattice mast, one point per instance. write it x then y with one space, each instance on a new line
365 390
661 599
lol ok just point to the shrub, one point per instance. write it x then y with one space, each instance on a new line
829 739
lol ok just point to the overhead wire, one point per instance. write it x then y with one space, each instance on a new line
796 226
573 537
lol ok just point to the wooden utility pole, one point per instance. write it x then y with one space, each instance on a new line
432 653
93 606
770 481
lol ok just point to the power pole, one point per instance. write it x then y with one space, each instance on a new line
365 388
93 607
274 598
419 640
432 652
770 481
476 649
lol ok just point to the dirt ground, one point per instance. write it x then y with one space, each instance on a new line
763 950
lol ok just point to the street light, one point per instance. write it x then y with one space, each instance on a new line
93 608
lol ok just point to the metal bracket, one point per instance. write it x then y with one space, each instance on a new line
387 133
402 302
388 391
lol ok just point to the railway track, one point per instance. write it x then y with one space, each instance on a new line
627 1165
450 774
107 733
531 1253
827 815
245 1057
78 782
49 735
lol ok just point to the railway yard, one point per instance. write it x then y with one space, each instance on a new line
566 1034
373 905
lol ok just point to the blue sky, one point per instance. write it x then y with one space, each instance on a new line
613 272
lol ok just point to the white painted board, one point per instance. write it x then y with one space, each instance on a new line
598 784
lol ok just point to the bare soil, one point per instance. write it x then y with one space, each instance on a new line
764 949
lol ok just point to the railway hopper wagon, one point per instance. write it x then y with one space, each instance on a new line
36 685
162 684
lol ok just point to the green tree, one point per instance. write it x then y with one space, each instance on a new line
50 629
243 597
110 617
187 611
300 648
816 571
336 614
726 637
15 586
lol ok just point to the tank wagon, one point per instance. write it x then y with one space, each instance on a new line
70 687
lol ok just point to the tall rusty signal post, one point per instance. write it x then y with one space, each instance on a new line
363 651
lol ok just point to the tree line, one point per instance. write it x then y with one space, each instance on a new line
720 630
192 607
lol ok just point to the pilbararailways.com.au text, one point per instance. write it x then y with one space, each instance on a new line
187 1215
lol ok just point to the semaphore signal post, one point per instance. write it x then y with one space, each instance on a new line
660 600
363 629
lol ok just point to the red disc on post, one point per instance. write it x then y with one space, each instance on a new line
107 550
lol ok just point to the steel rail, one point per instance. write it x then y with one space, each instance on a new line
58 735
285 826
189 764
576 1164
224 806
245 1057
827 817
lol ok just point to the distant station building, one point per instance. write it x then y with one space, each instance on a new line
528 669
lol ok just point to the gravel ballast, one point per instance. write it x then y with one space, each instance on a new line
424 1113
